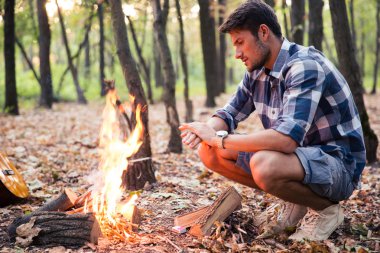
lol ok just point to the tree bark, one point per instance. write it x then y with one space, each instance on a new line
376 67
297 15
146 71
46 98
175 143
11 103
101 50
350 70
188 102
284 7
316 23
353 30
222 47
209 50
135 88
80 96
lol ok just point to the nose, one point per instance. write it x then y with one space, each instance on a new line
238 54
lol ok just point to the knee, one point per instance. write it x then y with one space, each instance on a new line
208 156
263 166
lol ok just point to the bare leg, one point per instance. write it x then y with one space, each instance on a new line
222 161
273 172
281 175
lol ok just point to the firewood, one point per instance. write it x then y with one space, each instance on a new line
190 219
50 229
202 220
81 200
63 202
133 215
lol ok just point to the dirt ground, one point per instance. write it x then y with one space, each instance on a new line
57 149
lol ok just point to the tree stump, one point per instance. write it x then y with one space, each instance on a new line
49 229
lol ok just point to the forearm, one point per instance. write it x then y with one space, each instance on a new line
217 124
263 140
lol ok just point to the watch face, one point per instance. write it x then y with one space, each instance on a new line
221 133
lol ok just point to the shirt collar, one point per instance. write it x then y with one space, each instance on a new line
283 55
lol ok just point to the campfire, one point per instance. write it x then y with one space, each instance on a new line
103 210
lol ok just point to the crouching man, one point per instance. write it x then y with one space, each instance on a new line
311 153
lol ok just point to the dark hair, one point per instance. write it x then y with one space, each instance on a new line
249 16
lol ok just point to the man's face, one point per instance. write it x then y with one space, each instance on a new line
249 49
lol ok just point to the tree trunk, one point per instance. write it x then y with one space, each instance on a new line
101 50
297 15
80 96
157 65
373 91
145 68
11 103
46 98
87 58
175 143
188 102
132 78
285 17
222 47
353 30
316 23
350 70
362 47
209 50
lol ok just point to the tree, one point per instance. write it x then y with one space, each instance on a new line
11 103
80 96
188 102
271 3
175 142
46 98
297 15
222 47
376 65
101 49
284 8
209 50
144 66
350 70
316 23
136 176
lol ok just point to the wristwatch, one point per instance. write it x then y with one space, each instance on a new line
220 136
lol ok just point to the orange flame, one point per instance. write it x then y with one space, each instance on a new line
115 149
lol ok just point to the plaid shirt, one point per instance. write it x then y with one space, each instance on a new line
305 97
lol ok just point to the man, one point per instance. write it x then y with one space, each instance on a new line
311 153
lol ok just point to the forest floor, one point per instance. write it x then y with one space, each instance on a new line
57 149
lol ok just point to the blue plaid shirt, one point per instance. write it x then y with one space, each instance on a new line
305 97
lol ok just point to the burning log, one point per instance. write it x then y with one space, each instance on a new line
202 220
63 202
58 229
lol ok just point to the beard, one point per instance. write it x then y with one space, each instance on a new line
264 54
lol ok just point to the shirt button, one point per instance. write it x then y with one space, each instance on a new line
273 112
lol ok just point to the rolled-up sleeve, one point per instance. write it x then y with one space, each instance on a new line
304 84
240 105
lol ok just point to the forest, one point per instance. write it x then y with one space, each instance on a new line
86 84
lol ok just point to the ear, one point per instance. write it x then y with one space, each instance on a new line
263 32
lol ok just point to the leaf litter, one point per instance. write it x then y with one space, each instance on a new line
57 149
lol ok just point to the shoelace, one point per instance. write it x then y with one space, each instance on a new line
310 220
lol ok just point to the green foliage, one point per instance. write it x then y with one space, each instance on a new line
29 90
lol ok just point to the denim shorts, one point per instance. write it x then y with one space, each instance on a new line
326 175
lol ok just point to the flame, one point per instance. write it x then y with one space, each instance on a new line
115 149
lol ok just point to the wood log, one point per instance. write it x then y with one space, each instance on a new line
133 215
81 200
49 229
63 202
202 220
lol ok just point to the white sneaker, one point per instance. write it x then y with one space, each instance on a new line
319 225
279 217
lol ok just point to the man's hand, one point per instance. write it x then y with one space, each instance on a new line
201 130
190 139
